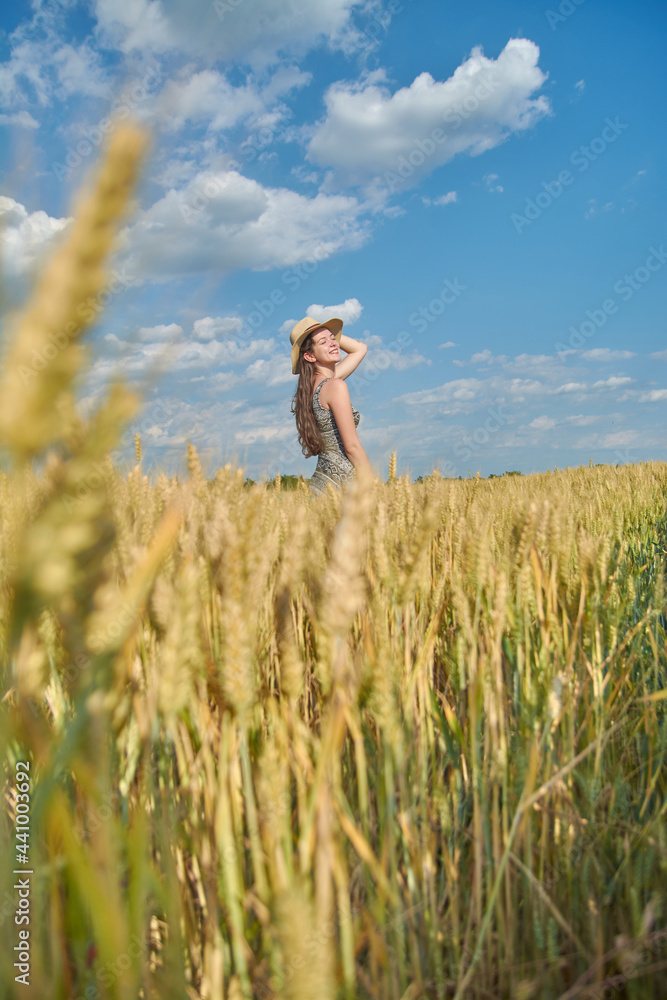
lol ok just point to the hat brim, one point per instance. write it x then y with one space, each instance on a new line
336 327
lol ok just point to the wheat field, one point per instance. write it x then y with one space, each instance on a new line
406 741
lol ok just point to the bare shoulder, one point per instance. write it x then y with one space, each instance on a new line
337 388
334 390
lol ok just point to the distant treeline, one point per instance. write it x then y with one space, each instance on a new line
288 482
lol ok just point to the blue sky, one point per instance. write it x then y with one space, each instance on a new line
474 189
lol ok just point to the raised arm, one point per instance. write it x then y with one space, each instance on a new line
355 350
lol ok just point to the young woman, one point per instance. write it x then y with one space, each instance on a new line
326 421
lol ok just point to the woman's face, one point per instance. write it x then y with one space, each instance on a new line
324 347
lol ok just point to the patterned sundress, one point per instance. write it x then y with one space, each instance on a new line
333 465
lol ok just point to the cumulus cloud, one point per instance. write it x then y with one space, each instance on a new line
522 384
270 371
542 423
485 357
218 220
79 71
571 387
582 420
370 136
43 69
393 355
349 311
209 97
161 332
222 221
444 199
166 348
618 439
213 328
251 31
25 237
612 382
450 397
21 118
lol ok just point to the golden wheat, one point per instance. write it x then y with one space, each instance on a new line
412 747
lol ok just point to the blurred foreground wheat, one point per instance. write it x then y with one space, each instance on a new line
406 741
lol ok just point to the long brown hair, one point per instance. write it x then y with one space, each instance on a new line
310 437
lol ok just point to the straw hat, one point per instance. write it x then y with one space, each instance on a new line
301 331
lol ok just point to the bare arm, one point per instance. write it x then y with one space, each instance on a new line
355 350
338 398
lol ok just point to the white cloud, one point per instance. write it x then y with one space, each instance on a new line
542 364
263 433
444 199
304 175
41 70
618 439
246 31
659 355
162 333
349 311
135 24
612 382
450 343
165 348
653 396
401 362
491 186
79 71
466 395
582 420
594 208
222 221
543 423
368 132
486 357
393 355
450 396
25 237
209 97
605 354
270 371
22 118
571 387
22 75
212 328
